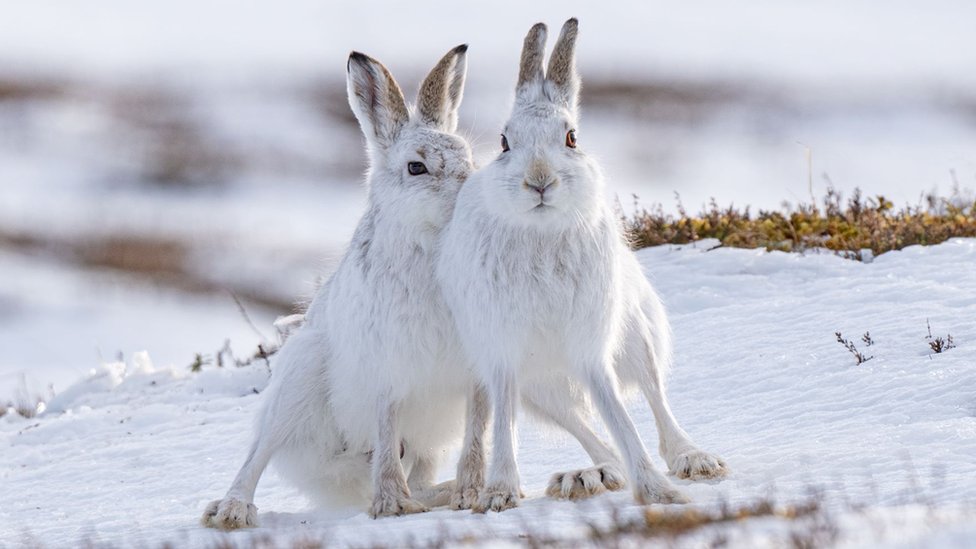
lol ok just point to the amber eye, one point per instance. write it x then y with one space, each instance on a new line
416 168
571 139
504 143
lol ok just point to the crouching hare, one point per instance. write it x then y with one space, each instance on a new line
551 304
371 386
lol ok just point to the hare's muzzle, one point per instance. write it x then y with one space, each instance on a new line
539 177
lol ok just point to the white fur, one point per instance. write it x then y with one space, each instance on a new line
550 303
375 370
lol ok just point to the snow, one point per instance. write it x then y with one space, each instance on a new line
131 454
59 323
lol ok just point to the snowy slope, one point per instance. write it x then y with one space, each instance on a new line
759 379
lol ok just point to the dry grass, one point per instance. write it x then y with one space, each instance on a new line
20 89
808 525
24 403
848 227
158 259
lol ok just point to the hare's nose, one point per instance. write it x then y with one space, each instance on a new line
541 186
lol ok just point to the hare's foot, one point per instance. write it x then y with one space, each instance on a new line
654 487
437 495
387 505
584 483
230 514
497 498
697 465
465 497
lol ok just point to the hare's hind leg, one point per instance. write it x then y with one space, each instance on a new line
463 492
391 495
683 457
421 482
648 484
236 509
606 472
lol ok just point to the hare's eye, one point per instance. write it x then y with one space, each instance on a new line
416 168
571 139
504 143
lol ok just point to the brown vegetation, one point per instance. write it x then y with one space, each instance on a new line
849 228
159 259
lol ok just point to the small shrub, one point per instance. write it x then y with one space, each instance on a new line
939 344
849 345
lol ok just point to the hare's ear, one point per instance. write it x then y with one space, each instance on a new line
440 93
562 65
533 51
376 99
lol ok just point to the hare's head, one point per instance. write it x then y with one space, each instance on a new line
542 175
416 162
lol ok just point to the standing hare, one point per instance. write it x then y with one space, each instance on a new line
374 376
551 304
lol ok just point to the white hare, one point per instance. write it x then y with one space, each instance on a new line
550 303
374 377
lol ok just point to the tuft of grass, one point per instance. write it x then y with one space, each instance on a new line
849 228
199 361
24 404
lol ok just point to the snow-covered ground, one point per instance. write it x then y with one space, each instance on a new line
131 455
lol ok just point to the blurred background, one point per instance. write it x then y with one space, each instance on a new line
158 158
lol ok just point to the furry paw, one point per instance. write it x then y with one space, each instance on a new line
584 483
390 505
464 498
230 514
435 496
497 499
698 465
657 489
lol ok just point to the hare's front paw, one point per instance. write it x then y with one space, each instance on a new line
698 465
230 514
388 505
584 483
497 498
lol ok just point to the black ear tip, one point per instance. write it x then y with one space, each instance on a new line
463 48
572 21
358 58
